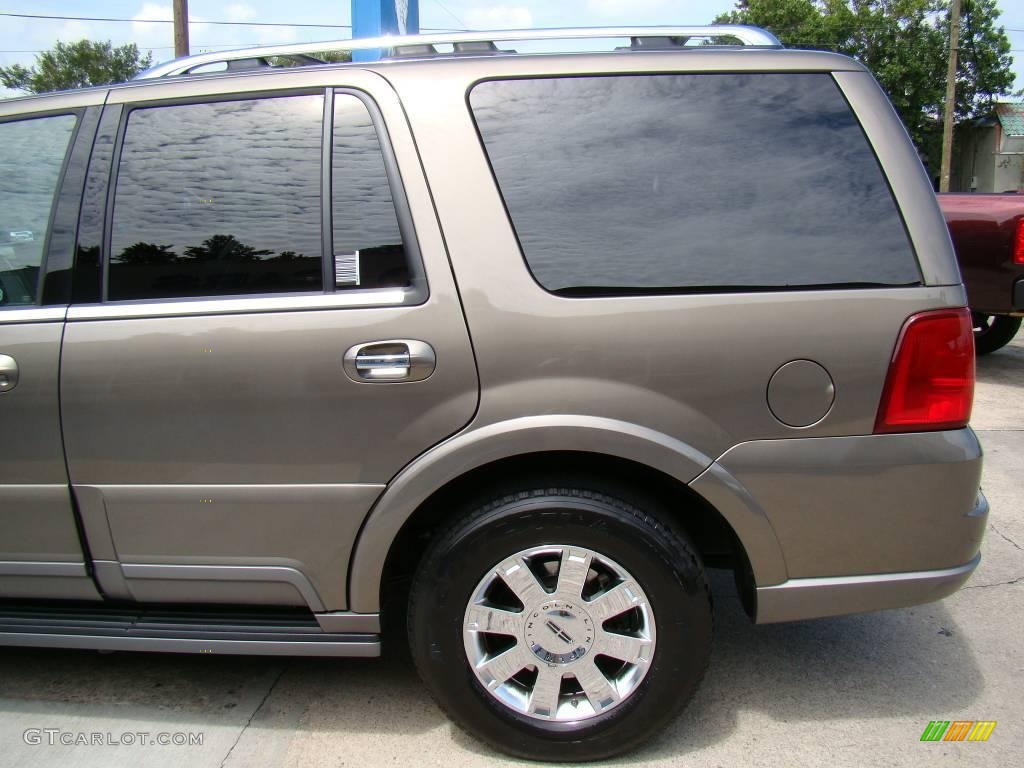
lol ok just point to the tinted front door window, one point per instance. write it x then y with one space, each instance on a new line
31 157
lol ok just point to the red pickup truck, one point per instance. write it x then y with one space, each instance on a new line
988 234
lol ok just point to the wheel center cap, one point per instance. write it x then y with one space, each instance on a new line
559 631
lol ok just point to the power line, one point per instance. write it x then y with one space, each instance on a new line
199 48
46 17
170 21
250 45
51 17
449 12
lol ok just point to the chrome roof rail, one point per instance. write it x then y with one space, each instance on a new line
748 36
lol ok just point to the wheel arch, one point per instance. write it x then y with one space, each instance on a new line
639 461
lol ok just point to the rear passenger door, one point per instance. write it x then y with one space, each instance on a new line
277 334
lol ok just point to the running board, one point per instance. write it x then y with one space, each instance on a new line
112 629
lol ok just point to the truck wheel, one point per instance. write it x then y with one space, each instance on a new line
561 624
992 332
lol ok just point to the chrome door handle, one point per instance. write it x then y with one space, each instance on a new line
8 373
396 360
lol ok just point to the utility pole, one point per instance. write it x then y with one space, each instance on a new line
949 114
181 28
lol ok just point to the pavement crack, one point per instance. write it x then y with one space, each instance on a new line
1004 536
1018 580
252 716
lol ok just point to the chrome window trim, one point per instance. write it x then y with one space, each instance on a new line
220 305
42 105
32 314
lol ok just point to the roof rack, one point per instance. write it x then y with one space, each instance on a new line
464 44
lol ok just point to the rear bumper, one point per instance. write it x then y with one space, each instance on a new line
797 599
1018 295
864 522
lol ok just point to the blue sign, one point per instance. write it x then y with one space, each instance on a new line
372 18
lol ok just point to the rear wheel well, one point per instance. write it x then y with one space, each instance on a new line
714 538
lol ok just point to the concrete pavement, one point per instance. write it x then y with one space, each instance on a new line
851 691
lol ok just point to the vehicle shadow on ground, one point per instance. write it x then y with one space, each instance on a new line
910 662
1005 366
354 695
893 663
913 661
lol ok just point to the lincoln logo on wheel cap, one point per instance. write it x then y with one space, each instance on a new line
559 632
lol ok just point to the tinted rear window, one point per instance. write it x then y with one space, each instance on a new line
681 182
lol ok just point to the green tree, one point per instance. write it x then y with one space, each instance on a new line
76 65
224 248
905 43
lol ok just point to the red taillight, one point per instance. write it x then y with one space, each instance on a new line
1018 243
930 385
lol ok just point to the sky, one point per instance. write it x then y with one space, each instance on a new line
21 38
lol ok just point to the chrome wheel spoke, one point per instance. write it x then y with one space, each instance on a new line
523 657
504 666
544 696
633 650
614 601
572 571
599 691
483 618
520 579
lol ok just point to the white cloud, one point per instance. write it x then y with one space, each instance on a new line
499 17
624 8
204 37
148 36
240 12
73 31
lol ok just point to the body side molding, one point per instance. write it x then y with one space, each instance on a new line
231 573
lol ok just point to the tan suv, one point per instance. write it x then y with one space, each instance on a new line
508 348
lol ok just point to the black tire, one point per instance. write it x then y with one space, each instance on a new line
992 332
661 560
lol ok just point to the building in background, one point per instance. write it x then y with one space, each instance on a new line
991 154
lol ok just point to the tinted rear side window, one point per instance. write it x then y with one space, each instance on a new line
219 198
682 182
368 247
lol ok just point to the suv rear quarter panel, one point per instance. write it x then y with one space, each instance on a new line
692 368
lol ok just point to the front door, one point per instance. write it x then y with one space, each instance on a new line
40 549
280 334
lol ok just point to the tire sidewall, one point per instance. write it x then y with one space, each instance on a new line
997 335
673 582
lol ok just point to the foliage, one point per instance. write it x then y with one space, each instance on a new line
905 43
76 65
